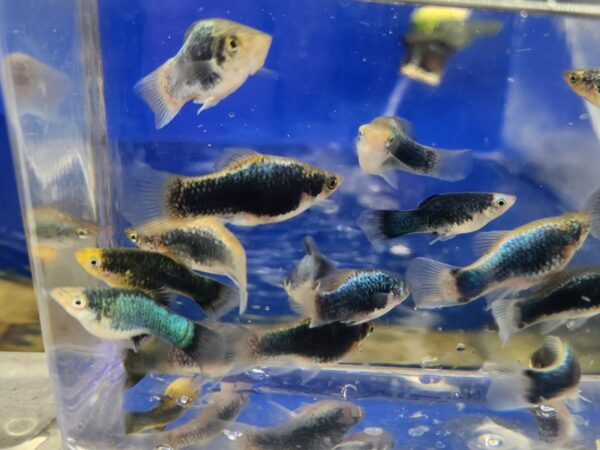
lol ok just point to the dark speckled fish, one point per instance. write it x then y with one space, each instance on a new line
586 83
156 274
444 215
371 438
247 189
386 144
566 297
319 426
554 373
513 261
216 58
353 296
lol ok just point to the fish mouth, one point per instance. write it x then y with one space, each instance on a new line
63 295
260 45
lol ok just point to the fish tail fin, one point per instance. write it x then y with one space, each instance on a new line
321 265
432 283
509 387
385 224
593 207
153 90
240 275
144 198
210 344
507 317
453 165
227 299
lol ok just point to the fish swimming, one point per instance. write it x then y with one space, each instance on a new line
353 296
178 397
40 90
301 281
117 314
201 244
444 215
156 274
586 83
554 374
385 144
319 426
369 439
566 297
513 261
247 189
53 225
216 58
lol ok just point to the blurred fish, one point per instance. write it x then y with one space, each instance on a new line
201 244
178 396
216 58
127 314
554 374
368 439
53 224
513 261
156 274
585 82
222 409
353 296
556 424
319 426
435 34
444 215
40 90
247 189
301 281
386 144
569 297
492 435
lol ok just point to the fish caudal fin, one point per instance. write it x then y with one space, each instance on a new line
385 224
144 197
227 299
152 89
593 207
507 317
211 345
509 387
432 283
453 165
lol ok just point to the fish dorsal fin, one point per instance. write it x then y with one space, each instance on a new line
427 200
234 156
189 30
403 125
335 279
310 246
323 266
487 239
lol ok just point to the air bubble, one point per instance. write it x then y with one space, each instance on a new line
418 431
267 308
184 400
231 115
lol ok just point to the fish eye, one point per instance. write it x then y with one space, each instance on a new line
389 141
94 262
81 233
78 302
233 44
574 78
501 202
332 183
133 236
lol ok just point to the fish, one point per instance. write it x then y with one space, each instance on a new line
53 225
40 90
319 426
201 244
353 296
177 398
386 144
567 297
554 374
247 189
556 424
512 261
300 282
221 409
585 83
369 439
216 58
156 274
444 215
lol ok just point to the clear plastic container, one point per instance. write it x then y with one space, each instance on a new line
78 131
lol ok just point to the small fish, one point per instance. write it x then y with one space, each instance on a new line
492 435
444 215
222 409
247 189
301 281
353 296
216 58
386 144
319 426
40 90
554 374
201 244
586 83
156 274
369 439
566 297
128 314
178 396
513 261
556 424
52 225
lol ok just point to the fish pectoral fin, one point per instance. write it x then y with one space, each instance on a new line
163 297
551 325
391 177
485 240
138 341
499 295
287 413
441 237
233 156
